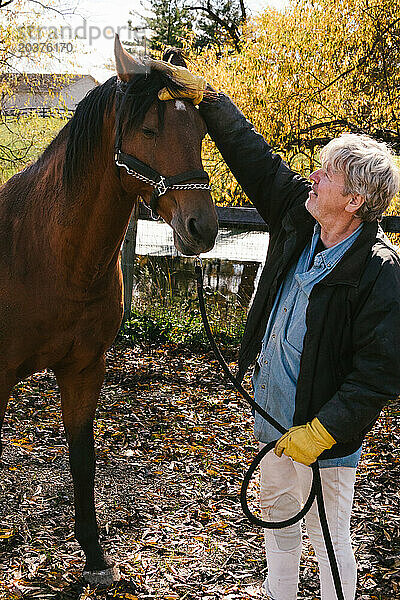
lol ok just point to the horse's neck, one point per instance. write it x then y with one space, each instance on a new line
94 230
77 233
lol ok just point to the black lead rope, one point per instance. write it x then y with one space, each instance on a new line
316 487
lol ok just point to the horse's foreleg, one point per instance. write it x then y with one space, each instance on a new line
3 407
6 385
79 396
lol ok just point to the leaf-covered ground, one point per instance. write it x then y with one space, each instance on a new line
172 444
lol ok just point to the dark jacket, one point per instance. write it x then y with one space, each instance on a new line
350 364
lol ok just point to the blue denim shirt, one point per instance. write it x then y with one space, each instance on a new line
278 365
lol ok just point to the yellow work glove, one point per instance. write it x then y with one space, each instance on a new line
304 443
194 84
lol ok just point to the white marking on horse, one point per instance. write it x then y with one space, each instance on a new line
179 105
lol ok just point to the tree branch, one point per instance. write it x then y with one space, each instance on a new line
361 61
231 29
56 10
382 135
243 10
326 124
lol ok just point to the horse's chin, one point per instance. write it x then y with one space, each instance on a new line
188 248
183 247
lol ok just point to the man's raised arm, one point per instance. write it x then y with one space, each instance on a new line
266 180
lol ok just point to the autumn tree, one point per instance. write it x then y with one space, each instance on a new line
168 22
22 138
307 74
204 22
219 23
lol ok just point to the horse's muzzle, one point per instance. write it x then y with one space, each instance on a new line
195 232
203 231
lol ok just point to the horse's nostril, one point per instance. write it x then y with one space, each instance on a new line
192 228
202 230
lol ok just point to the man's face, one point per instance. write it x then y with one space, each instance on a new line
326 201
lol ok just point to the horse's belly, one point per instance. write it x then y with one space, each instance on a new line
35 335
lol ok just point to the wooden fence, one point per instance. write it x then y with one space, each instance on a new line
40 111
240 219
248 219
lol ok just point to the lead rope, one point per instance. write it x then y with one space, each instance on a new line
316 486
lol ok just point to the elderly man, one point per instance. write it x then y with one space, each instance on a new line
323 329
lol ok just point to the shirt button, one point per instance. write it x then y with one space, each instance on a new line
273 336
285 309
266 362
263 387
329 265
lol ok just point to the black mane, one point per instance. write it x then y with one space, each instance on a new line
85 127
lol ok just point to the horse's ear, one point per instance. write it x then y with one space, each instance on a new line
174 56
127 66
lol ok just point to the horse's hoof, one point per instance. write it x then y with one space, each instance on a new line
102 578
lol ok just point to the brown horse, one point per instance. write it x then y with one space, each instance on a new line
62 222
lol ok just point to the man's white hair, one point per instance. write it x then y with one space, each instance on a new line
369 170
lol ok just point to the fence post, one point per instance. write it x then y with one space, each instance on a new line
128 261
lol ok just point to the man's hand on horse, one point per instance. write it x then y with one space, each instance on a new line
194 85
304 443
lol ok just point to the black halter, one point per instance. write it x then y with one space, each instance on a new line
140 170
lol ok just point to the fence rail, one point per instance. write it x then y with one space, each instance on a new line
248 219
40 111
238 218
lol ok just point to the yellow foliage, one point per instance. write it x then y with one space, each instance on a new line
303 76
23 137
306 75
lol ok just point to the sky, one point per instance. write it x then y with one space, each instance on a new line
88 30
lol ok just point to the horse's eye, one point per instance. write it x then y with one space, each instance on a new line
149 133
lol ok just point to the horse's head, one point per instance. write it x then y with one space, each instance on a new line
166 136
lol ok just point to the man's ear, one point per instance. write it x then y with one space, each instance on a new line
355 203
126 64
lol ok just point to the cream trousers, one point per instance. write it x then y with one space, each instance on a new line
284 487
